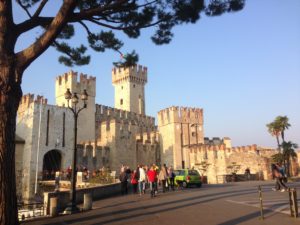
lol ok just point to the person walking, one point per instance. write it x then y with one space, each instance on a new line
151 179
171 178
155 167
123 179
142 179
134 181
247 173
279 185
162 177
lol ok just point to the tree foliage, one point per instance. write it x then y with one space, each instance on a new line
100 18
278 127
288 153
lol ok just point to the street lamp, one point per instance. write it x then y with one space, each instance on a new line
72 208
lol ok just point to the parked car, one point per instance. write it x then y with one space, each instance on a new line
187 177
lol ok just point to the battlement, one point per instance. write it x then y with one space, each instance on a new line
177 114
137 74
75 83
219 147
28 99
151 137
104 113
72 77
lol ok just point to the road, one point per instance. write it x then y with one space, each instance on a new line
226 204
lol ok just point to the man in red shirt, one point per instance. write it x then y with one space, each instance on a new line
152 178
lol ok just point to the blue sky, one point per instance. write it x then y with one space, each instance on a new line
243 69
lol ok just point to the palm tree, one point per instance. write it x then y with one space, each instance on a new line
277 158
288 153
274 129
283 123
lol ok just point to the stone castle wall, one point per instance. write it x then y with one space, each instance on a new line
221 160
44 128
77 84
179 127
127 134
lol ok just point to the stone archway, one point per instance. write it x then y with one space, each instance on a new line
51 164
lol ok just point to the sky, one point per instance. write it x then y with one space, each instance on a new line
242 68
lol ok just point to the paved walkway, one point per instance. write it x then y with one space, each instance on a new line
228 204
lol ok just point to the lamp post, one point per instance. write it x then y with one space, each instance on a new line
72 208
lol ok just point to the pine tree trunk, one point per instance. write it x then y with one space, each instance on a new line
10 95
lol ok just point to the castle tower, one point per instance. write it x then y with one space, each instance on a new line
180 128
129 86
86 119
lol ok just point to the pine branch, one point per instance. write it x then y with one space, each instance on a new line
28 55
40 8
24 8
86 27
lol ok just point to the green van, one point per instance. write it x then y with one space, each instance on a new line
186 178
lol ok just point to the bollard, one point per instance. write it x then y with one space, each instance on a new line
293 202
53 206
261 203
87 201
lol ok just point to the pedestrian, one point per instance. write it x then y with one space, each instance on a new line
171 178
123 179
151 179
277 175
156 178
247 173
162 177
134 181
142 180
282 171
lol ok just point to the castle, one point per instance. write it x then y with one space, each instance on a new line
110 137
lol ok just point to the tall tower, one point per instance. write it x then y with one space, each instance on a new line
86 118
129 86
179 128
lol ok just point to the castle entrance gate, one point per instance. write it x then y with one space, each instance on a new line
51 164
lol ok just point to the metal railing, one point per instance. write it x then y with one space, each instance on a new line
30 210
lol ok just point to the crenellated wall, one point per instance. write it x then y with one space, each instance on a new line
77 84
125 133
26 101
137 74
220 160
104 113
44 128
179 127
177 114
120 146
